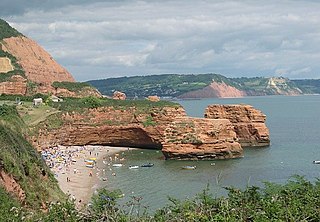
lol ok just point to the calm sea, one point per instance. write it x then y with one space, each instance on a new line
294 126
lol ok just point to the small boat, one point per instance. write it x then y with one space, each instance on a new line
189 167
147 165
133 167
316 161
212 164
117 165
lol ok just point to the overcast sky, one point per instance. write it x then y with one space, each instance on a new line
101 39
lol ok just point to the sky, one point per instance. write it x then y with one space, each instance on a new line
102 39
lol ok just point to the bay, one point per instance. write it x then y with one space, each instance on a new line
294 126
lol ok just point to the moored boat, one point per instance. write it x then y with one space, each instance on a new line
117 165
189 167
147 165
133 167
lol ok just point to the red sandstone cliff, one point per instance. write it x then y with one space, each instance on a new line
168 128
215 90
199 138
109 126
16 85
248 122
160 128
38 65
39 68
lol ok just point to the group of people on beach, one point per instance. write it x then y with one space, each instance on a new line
68 163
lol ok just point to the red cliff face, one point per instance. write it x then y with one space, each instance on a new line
38 65
16 85
168 128
249 123
110 126
199 138
215 90
162 128
39 68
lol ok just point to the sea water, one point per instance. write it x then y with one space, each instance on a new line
294 126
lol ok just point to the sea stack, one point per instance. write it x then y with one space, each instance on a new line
200 138
248 122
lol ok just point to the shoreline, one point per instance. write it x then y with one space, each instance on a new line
74 178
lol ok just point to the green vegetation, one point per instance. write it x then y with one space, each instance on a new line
174 85
8 97
296 200
19 159
308 86
149 122
81 104
162 85
71 86
6 31
17 67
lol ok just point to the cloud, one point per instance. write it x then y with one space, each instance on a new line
100 39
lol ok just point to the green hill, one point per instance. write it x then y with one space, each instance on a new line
176 85
6 31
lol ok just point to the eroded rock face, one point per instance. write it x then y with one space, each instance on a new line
215 90
119 95
109 126
219 136
17 85
38 65
199 138
153 98
249 123
11 186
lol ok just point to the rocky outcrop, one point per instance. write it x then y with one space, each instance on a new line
220 135
16 85
119 95
153 98
199 138
215 90
249 123
5 65
38 65
109 126
11 186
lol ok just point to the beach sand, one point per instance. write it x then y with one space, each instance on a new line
81 185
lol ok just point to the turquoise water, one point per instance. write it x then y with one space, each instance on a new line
294 126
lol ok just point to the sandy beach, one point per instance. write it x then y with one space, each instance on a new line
74 177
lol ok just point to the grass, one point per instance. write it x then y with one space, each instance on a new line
82 104
33 115
19 159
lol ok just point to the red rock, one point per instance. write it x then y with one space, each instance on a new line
214 139
200 138
16 85
38 65
248 122
153 98
119 95
215 90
